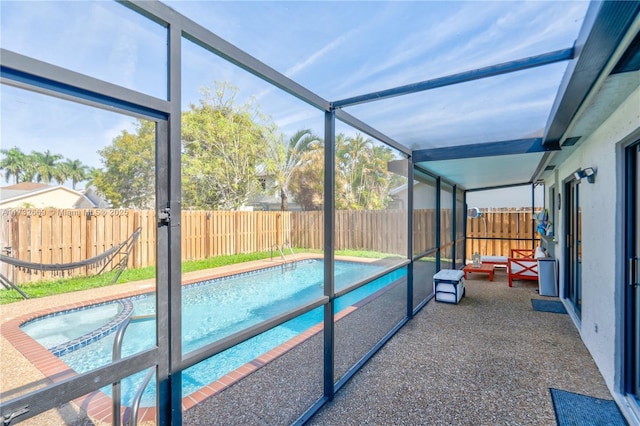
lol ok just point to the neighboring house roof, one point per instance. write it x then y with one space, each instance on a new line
400 189
41 195
11 191
269 202
95 198
27 186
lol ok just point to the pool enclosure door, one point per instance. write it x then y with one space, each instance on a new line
98 385
573 248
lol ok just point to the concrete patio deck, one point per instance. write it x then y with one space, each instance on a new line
489 360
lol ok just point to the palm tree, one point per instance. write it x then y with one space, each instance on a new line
76 171
92 172
13 163
287 157
379 179
307 179
46 166
29 173
353 155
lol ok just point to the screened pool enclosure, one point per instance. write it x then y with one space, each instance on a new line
340 149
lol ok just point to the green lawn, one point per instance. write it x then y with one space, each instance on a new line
66 285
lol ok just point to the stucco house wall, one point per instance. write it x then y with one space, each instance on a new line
600 325
424 196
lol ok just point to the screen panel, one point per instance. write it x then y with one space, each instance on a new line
272 378
425 197
101 39
365 316
80 235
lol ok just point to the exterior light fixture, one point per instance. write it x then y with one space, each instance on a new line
588 173
473 212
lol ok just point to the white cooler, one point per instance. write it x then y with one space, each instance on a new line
448 285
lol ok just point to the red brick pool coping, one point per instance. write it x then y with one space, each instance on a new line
97 404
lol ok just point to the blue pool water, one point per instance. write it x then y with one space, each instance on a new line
211 310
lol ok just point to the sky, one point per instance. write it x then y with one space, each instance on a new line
335 49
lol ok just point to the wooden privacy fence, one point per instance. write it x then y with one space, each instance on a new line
214 233
496 232
60 236
375 230
424 229
56 236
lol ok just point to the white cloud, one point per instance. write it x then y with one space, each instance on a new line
317 55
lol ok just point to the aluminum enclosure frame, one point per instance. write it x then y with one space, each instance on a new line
45 78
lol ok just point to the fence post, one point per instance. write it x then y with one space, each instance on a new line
278 229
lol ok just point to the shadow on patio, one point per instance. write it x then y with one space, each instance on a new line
489 360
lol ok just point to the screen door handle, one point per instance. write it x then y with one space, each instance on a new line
633 272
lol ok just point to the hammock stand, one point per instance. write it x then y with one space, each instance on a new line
100 261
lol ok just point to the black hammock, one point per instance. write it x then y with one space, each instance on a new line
100 262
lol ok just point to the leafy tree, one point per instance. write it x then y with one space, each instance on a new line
128 178
287 157
13 163
223 147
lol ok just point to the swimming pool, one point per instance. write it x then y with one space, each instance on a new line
212 310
